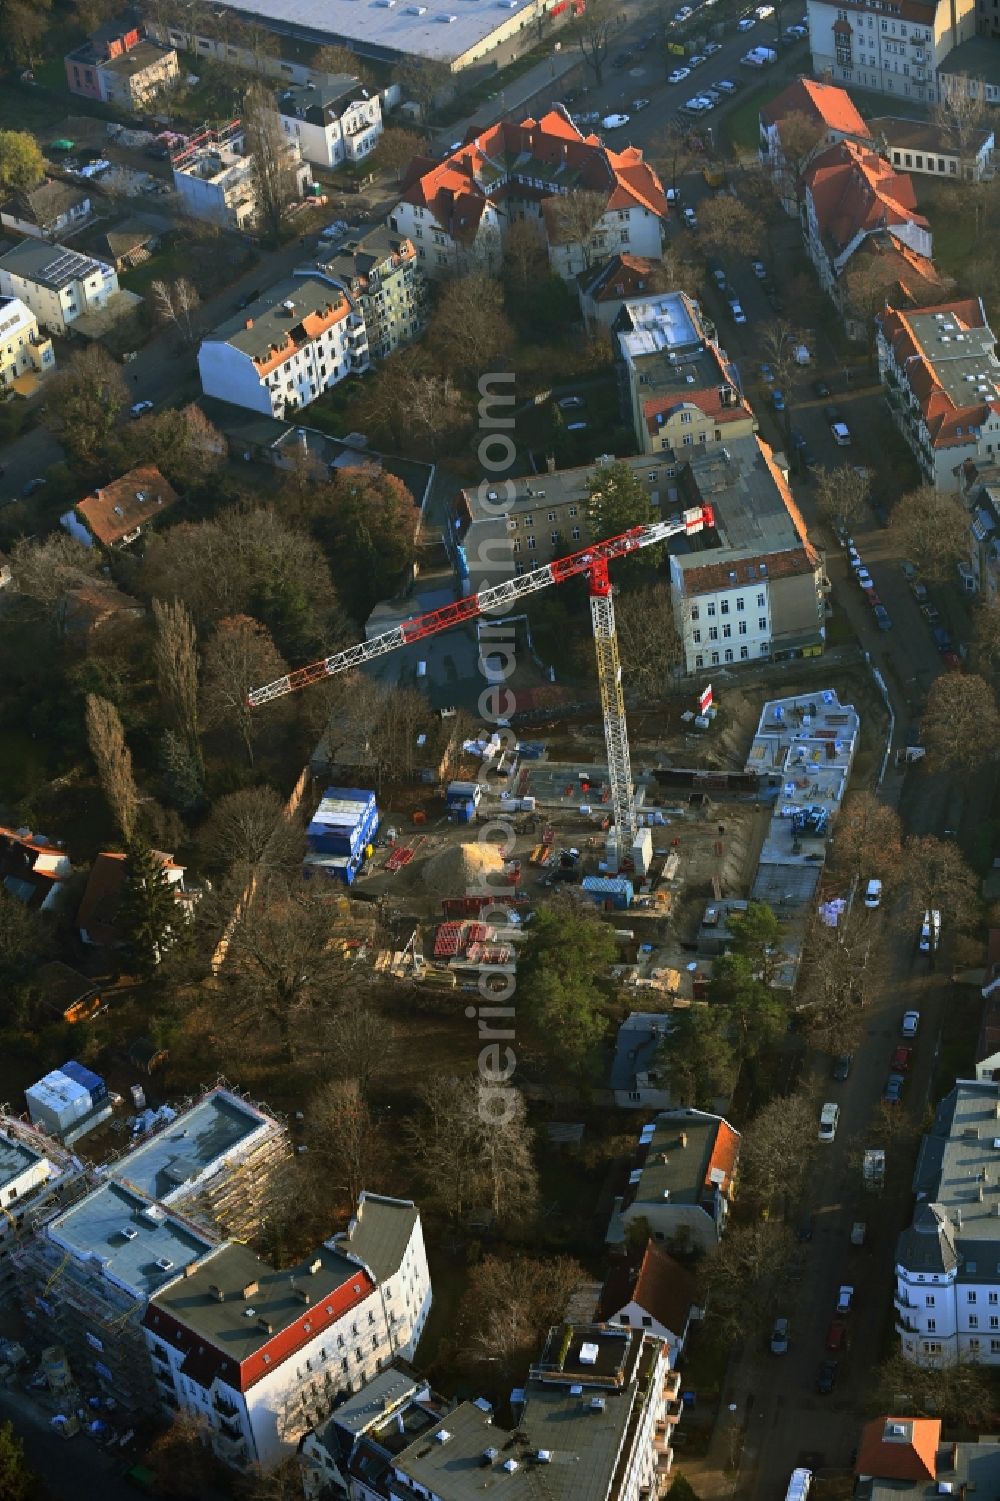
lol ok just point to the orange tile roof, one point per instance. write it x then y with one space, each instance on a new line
822 102
911 1455
791 504
707 400
714 576
943 416
724 1156
102 895
855 190
621 276
115 509
659 1284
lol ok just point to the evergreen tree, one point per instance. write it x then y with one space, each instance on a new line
182 779
148 917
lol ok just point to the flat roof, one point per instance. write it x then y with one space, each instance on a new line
979 57
15 1159
368 1407
144 54
94 1227
964 1180
751 516
376 28
201 1136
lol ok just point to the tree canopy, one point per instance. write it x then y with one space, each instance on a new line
568 953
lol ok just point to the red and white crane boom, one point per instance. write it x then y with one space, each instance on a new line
593 562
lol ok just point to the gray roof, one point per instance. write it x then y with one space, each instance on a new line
925 135
268 322
15 1159
927 1245
976 58
958 1179
637 1045
664 340
367 1408
321 102
51 266
379 1235
359 254
184 1149
680 1146
751 516
93 1227
962 358
972 1468
46 202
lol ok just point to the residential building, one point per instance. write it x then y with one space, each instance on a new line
947 1295
759 591
383 278
261 1354
351 1453
981 492
683 1180
215 181
25 354
934 149
603 289
678 387
387 34
96 605
132 241
850 193
57 285
458 211
97 918
49 211
652 1292
333 122
638 1079
970 69
829 109
988 1042
89 1271
942 378
891 272
115 514
33 869
895 53
302 337
598 1411
905 1457
35 1173
119 65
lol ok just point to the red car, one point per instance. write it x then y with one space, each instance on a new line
900 1060
952 661
835 1335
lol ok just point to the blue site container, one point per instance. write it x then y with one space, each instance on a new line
346 819
92 1082
616 891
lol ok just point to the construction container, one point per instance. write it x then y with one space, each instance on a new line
616 892
344 822
464 812
642 852
527 805
92 1082
462 792
531 750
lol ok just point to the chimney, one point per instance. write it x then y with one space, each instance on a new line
304 1294
265 1324
315 1266
249 1289
249 323
214 1289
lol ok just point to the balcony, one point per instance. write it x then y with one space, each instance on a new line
673 1412
671 1384
224 1407
664 1461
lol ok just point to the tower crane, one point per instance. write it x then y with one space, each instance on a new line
592 562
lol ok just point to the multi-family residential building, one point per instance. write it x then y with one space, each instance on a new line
677 386
115 514
119 65
906 1457
639 1080
385 281
458 211
35 1173
947 1296
25 354
602 289
351 1454
285 349
830 110
33 869
86 1275
895 51
683 1180
260 1354
942 377
49 211
333 122
935 149
652 1292
215 181
981 492
851 193
759 591
56 284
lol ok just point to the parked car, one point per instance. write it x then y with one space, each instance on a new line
930 931
930 613
798 440
942 638
892 1093
910 1024
951 660
139 407
917 589
778 400
842 1066
835 1335
638 104
779 1337
900 1060
697 60
690 218
570 403
821 389
711 48
32 486
728 86
614 122
841 434
719 277
747 24
679 75
759 270
882 618
826 1377
873 893
736 308
576 427
845 1299
863 577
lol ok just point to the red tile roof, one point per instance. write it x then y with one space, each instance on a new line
723 1159
707 400
822 102
755 570
621 276
947 423
27 864
115 510
102 895
497 164
854 190
659 1284
910 1455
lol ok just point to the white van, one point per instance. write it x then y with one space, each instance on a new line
829 1119
799 1485
873 894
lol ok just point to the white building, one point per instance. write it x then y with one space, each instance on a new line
947 1297
259 1355
334 122
25 354
896 52
366 1426
48 212
683 1180
652 1292
215 181
285 349
58 285
851 195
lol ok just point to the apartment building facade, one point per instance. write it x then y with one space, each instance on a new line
23 350
894 49
382 275
458 211
333 122
683 1180
57 285
259 1355
852 193
119 65
295 342
941 375
947 1295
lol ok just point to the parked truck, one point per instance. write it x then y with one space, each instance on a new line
874 1169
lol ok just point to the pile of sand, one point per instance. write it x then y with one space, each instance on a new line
461 869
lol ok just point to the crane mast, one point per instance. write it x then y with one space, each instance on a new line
591 562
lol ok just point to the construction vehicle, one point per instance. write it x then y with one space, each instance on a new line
592 562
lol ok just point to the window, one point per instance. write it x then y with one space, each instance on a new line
762 622
713 633
575 534
994 1298
531 544
973 1321
552 516
699 660
715 659
932 1347
696 637
703 437
728 654
529 520
761 599
765 650
740 603
929 1300
727 631
710 609
973 1344
931 1326
970 1297
743 628
685 417
517 544
572 510
687 441
744 653
724 607
994 1321
695 612
994 1345
553 538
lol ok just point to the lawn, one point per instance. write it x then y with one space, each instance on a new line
742 123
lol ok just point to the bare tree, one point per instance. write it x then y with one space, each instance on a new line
106 738
986 634
280 1482
935 876
343 1133
175 656
961 724
239 657
775 1151
575 216
340 61
469 330
85 398
932 530
743 1275
506 1307
651 648
963 111
396 149
593 29
46 572
473 1144
675 151
410 404
729 229
841 494
524 256
868 839
175 303
423 80
247 829
273 160
362 1042
800 135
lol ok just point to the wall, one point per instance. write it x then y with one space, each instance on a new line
230 375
